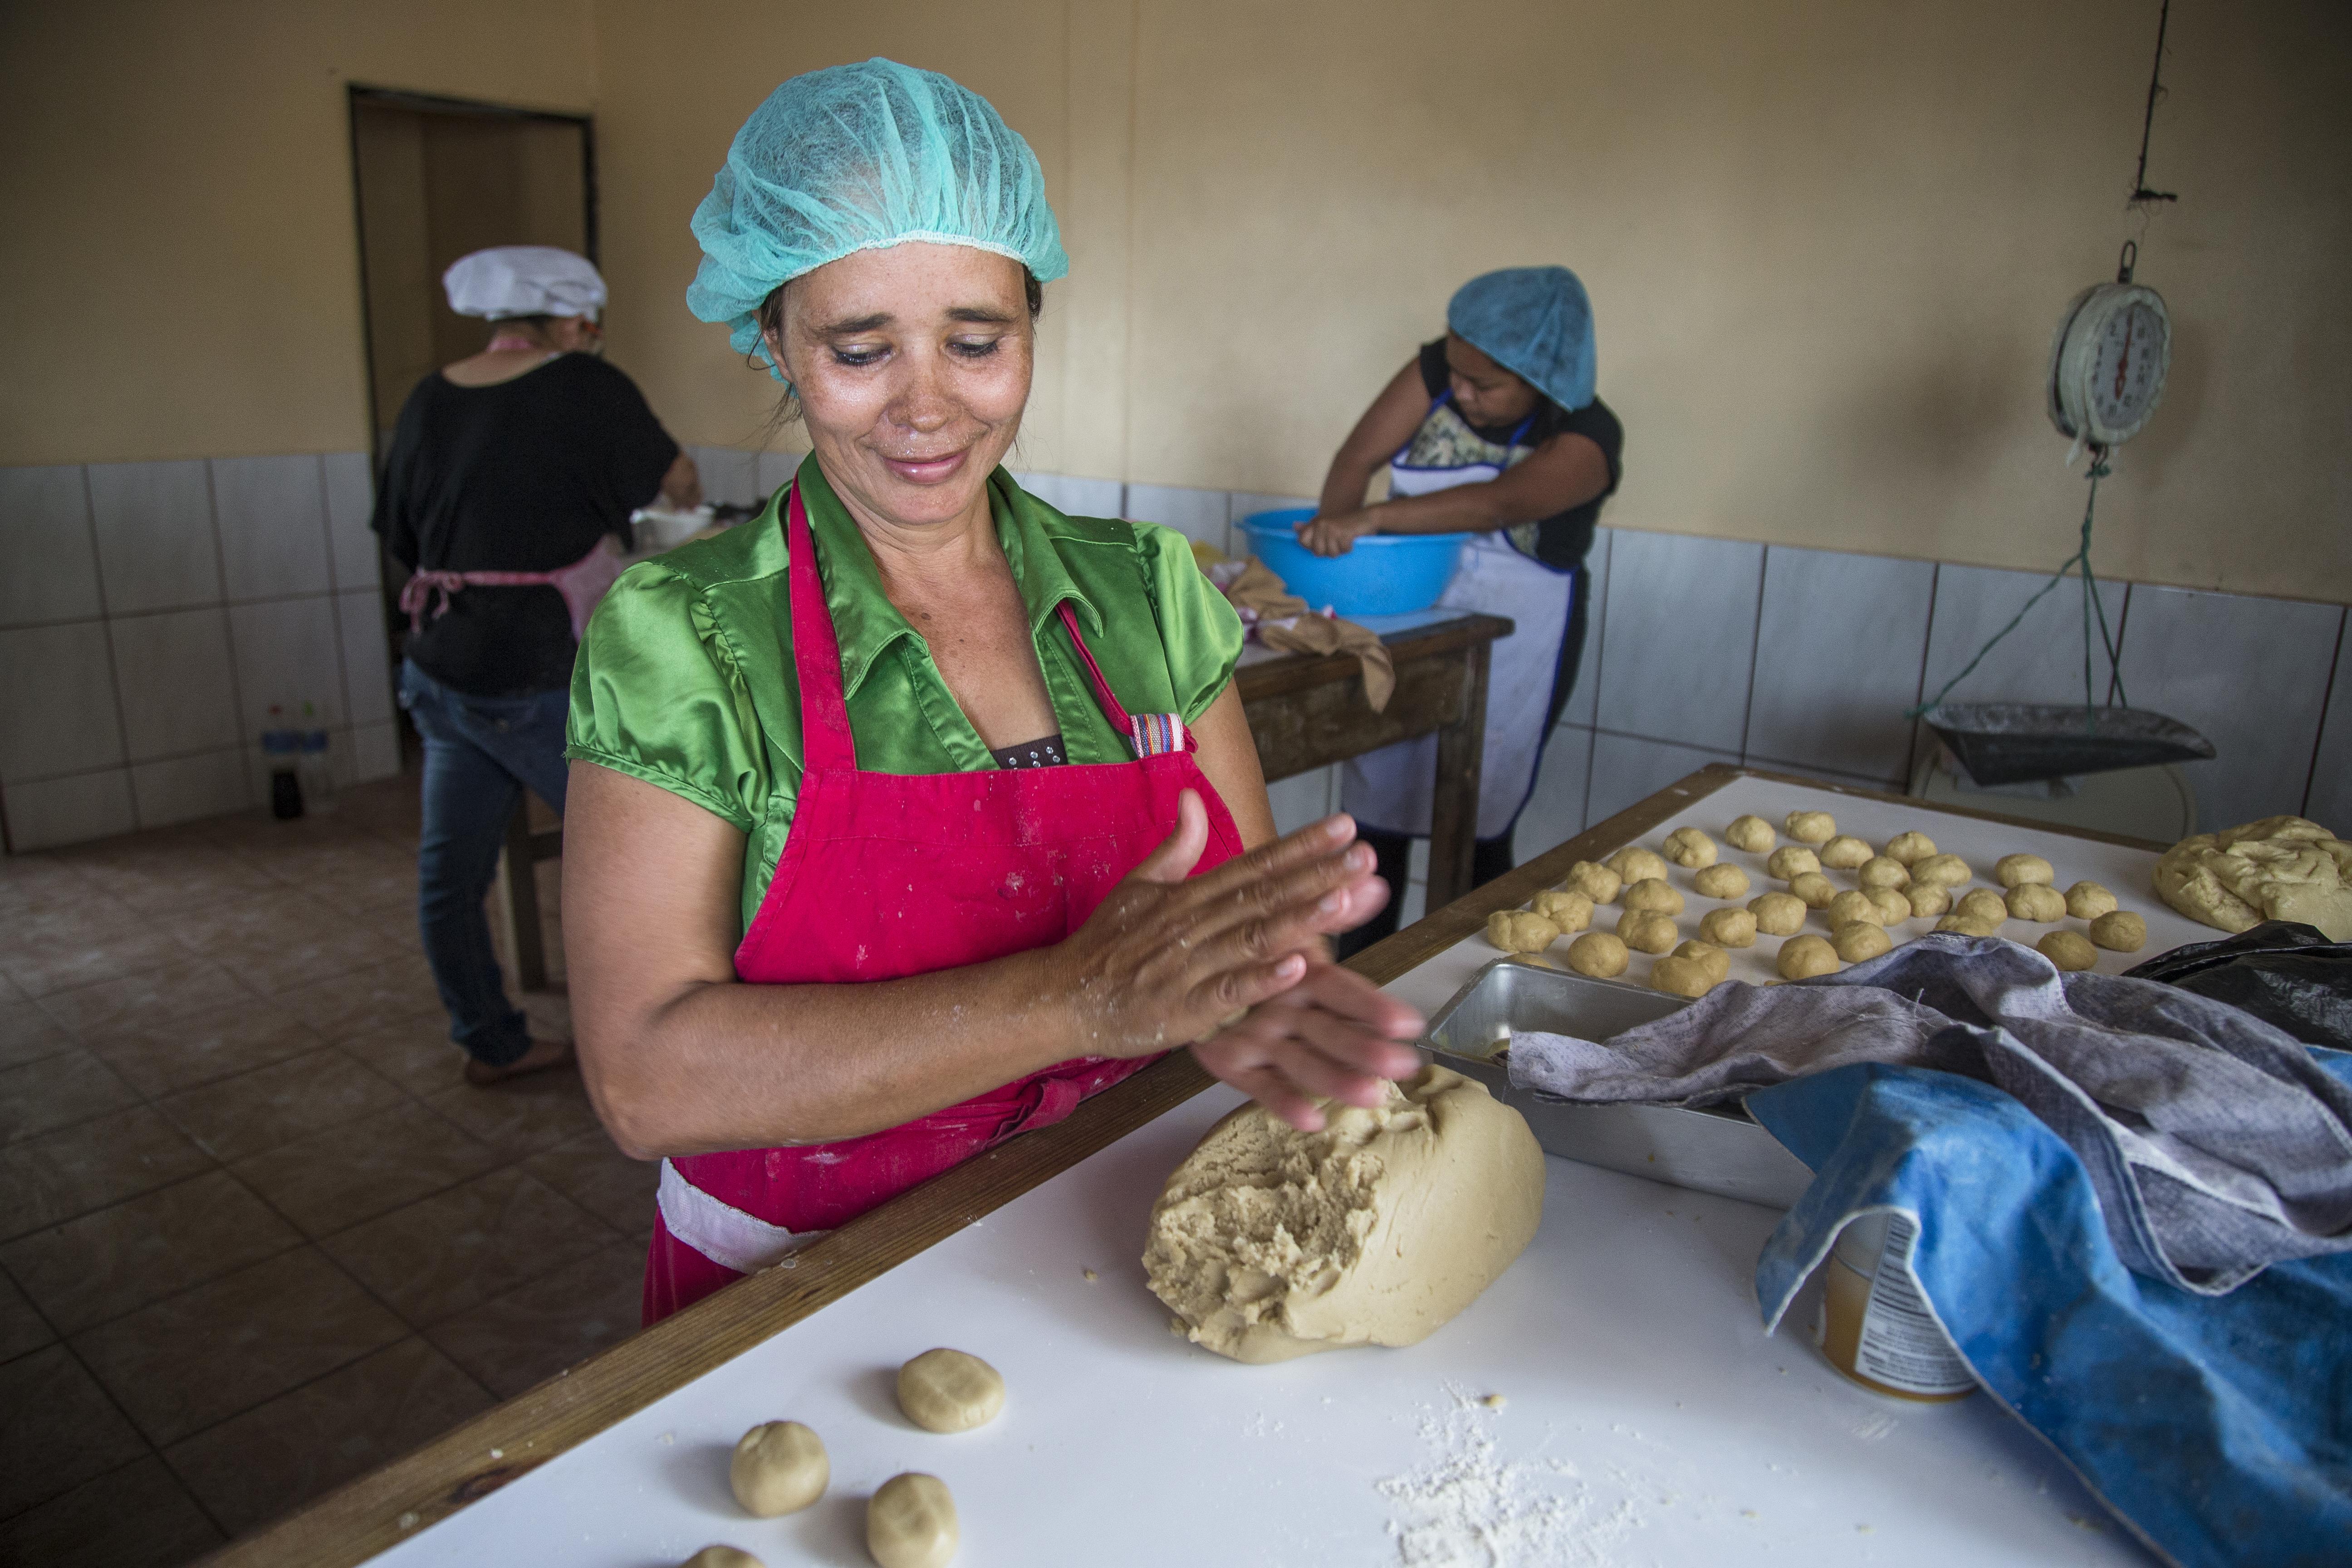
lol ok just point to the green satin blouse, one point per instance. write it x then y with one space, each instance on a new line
685 679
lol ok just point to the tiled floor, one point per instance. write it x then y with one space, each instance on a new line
256 1235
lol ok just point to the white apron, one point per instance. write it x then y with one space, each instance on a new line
1390 789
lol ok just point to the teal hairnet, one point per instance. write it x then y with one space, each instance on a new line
860 157
1535 322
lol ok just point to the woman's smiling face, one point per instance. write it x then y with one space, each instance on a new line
912 367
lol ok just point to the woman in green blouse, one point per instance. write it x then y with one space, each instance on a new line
869 866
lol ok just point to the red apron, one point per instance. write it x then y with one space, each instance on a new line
887 875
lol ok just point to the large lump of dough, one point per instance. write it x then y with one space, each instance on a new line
2279 868
1270 1243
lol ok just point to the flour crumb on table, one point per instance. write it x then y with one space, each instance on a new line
1466 1506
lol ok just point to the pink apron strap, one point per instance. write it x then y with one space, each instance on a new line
825 739
1151 734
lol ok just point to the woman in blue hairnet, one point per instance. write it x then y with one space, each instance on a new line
912 813
1492 430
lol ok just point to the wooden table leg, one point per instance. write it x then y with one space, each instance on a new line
516 899
1453 807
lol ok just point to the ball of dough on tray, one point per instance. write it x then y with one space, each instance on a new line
1894 904
1984 905
1858 940
1812 826
1569 911
1910 848
910 1522
1707 956
1850 905
1802 957
722 1557
1792 860
2037 901
1883 871
1680 977
1725 881
1816 890
1845 852
1927 902
1690 848
2088 900
1750 833
2120 931
1271 1243
1967 925
1777 914
1635 863
1520 931
1647 930
2017 870
1594 880
2279 868
2067 949
1733 928
779 1467
1599 954
1941 871
949 1391
1653 895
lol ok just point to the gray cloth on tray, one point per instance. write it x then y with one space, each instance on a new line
2216 1145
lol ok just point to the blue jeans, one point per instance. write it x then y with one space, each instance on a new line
480 753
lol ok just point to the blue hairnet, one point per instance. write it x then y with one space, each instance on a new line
860 157
1535 322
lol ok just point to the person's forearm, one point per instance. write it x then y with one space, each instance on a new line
1345 487
1465 509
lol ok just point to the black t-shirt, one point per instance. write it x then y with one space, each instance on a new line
524 476
1561 540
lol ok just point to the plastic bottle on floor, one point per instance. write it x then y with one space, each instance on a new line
317 764
281 748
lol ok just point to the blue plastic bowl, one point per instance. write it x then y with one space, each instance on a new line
1384 574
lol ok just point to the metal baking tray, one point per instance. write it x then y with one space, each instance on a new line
1721 1150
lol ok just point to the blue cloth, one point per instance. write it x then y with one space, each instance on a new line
1534 322
480 753
2218 1428
860 157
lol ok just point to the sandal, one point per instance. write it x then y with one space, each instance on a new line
542 1055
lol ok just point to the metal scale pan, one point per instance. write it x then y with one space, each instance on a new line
2023 742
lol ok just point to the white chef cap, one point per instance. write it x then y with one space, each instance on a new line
523 281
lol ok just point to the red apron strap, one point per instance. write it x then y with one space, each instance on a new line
1103 694
825 740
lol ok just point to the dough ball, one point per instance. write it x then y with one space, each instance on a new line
1850 906
1792 860
1653 895
2067 949
779 1468
1894 905
1777 914
1883 871
1802 957
2120 931
949 1391
1707 956
1858 940
1752 833
910 1522
2017 870
1635 863
1928 903
1595 881
1680 977
1941 871
1598 954
1983 906
722 1557
2036 901
2088 900
1812 826
1816 890
1520 931
2279 868
1967 925
1911 847
1734 928
1569 911
1690 848
1845 852
1271 1243
1647 930
1720 882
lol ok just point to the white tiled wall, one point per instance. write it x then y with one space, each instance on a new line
152 611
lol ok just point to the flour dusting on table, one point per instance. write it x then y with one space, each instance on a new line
1468 1506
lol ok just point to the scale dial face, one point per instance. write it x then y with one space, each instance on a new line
2107 363
2127 368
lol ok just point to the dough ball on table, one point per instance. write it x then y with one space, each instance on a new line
1845 852
1802 957
2068 949
1928 903
1941 871
1894 904
1598 954
1814 889
1911 847
1734 928
910 1522
1849 906
1777 914
1271 1243
1967 925
1812 826
1595 881
1707 956
2088 900
1690 848
1569 911
1647 930
779 1468
722 1557
1653 895
1883 871
1858 940
1720 882
1751 833
2018 870
1792 860
2279 868
949 1391
1983 906
1635 863
1680 977
1520 931
2120 931
2036 901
